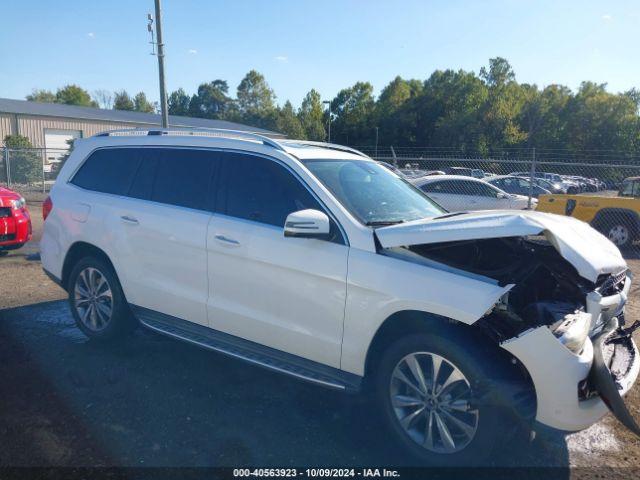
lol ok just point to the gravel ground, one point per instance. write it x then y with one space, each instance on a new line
151 401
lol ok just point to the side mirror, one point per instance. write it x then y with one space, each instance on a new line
502 195
307 224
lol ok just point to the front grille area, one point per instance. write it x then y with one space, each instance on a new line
7 237
5 212
612 284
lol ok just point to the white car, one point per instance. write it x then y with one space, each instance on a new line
315 261
457 193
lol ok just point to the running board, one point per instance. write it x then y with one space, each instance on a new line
248 351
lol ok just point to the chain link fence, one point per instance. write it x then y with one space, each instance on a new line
30 170
599 186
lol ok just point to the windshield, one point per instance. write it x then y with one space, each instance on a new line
373 194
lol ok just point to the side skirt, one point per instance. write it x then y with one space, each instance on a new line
248 351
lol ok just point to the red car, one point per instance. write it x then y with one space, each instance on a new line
15 221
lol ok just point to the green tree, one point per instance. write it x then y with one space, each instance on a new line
447 113
503 107
211 101
287 122
354 108
395 111
178 103
74 95
256 100
141 104
122 101
26 165
42 96
311 116
543 116
599 120
499 73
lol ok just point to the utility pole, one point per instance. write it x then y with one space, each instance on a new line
376 154
328 102
163 90
532 176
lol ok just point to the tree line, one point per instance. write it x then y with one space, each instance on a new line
477 113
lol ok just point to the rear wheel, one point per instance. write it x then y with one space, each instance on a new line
437 399
619 228
619 234
97 302
4 253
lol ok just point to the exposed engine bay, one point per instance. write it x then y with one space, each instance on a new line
546 287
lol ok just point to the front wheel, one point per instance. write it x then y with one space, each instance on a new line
438 401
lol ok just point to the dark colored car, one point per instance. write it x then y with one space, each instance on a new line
464 171
516 185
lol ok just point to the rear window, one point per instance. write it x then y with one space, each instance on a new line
108 171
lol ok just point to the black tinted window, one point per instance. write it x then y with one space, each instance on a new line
444 186
183 176
142 185
261 190
108 170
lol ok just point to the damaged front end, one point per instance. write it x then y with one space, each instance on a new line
562 315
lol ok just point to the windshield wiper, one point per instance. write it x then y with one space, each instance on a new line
383 223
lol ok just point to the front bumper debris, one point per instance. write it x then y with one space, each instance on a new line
615 366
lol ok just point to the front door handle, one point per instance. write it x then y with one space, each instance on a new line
128 219
227 240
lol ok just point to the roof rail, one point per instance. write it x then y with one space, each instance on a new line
196 132
332 146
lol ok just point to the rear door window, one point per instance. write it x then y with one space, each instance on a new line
142 185
108 170
183 177
444 186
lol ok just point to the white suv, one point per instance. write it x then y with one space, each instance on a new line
313 260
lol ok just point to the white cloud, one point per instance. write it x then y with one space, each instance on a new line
192 51
91 35
281 58
606 17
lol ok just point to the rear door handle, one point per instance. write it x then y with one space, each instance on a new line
128 219
229 241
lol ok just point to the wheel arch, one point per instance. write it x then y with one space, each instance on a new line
603 215
409 322
78 251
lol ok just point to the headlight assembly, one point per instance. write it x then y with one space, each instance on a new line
573 330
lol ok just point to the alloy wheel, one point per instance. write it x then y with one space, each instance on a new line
93 299
432 401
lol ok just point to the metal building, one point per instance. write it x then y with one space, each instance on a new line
49 126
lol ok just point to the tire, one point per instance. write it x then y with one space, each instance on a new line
621 230
4 253
97 302
489 417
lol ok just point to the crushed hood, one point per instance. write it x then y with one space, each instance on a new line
591 253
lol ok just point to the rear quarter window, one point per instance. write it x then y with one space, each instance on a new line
109 170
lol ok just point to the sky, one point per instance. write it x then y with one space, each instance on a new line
323 44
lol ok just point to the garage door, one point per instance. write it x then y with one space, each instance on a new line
56 142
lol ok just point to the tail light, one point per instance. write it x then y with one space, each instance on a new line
47 206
